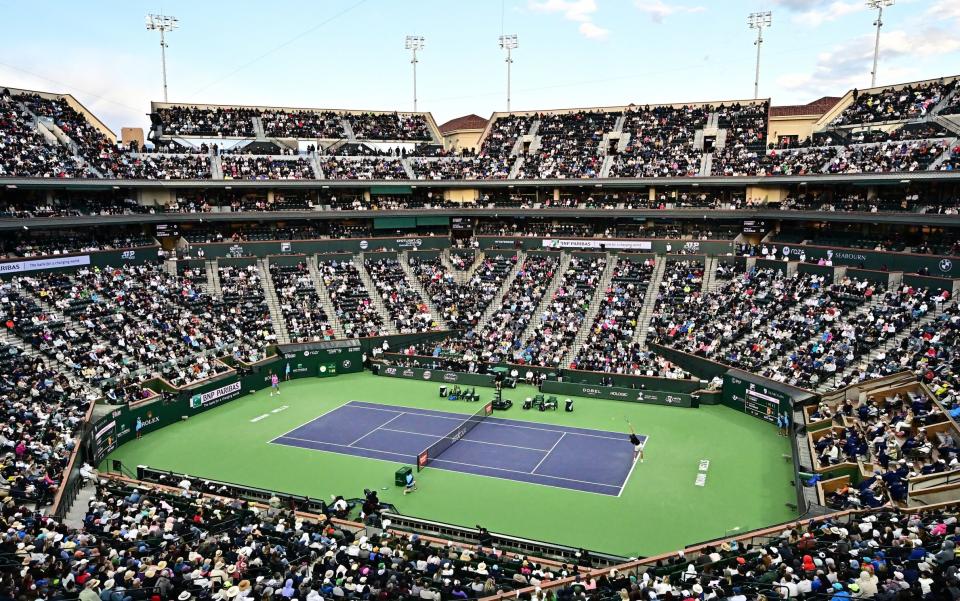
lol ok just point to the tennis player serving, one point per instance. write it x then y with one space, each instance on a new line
635 441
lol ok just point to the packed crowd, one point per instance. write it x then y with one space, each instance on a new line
555 328
610 345
211 122
260 167
569 146
891 104
409 312
661 142
389 126
462 303
363 168
300 304
302 124
500 336
354 307
25 152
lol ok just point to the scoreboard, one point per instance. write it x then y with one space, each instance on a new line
167 230
754 398
462 223
755 226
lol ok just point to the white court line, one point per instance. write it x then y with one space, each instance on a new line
636 460
486 422
548 453
486 467
312 419
467 439
503 469
375 429
514 480
280 408
259 417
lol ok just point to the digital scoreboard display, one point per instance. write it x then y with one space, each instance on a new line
755 399
462 223
168 230
754 226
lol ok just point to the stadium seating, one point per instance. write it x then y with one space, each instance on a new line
354 307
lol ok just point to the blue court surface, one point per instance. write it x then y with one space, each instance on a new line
575 458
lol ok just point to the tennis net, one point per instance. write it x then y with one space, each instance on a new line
436 449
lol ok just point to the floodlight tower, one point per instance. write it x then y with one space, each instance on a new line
758 21
163 24
414 43
878 5
509 43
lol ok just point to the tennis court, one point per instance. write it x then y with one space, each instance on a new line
580 459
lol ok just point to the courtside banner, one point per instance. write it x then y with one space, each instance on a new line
632 395
206 398
607 244
42 264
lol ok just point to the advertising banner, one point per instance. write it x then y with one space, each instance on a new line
447 377
15 267
631 395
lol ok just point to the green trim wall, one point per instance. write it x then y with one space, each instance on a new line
112 258
630 395
433 375
215 250
119 426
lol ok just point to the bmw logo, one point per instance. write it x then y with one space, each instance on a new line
347 363
946 265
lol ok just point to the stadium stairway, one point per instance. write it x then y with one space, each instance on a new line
216 167
944 103
213 279
258 128
706 164
273 303
374 295
650 301
315 163
709 274
935 165
460 276
414 282
170 267
804 458
325 301
348 130
587 326
948 123
721 140
698 139
517 163
405 163
497 302
607 164
547 298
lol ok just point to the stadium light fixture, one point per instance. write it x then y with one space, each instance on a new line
414 43
163 24
877 5
509 43
758 21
